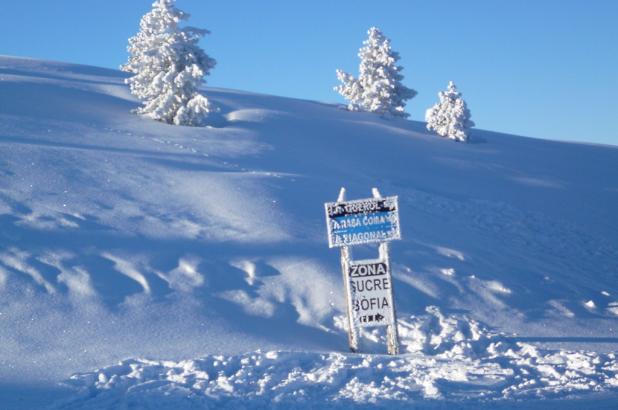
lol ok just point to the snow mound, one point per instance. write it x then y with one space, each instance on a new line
451 358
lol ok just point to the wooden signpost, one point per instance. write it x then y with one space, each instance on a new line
367 283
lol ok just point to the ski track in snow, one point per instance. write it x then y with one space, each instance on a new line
125 238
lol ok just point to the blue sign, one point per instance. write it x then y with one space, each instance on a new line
362 221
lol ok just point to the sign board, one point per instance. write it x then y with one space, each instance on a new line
370 293
362 221
368 283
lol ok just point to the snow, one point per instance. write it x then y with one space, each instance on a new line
450 359
197 258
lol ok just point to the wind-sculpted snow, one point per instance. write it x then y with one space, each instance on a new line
450 361
122 237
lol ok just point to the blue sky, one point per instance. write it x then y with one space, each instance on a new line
545 69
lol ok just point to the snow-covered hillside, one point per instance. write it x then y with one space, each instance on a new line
198 258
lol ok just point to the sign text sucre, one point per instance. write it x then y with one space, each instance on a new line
370 288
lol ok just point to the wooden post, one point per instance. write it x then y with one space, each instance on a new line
392 333
345 264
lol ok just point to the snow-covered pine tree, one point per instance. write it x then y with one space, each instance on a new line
143 46
450 117
350 89
378 88
169 67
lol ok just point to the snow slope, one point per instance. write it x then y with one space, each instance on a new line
197 257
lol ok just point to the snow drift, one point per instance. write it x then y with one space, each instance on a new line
450 362
170 249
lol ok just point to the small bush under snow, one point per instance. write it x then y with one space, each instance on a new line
450 117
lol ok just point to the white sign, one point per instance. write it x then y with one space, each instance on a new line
362 221
370 293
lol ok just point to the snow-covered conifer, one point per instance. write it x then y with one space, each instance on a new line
450 117
169 67
194 113
378 88
350 90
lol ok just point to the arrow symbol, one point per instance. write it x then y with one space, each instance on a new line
379 317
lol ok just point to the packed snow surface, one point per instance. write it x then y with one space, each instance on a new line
190 265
